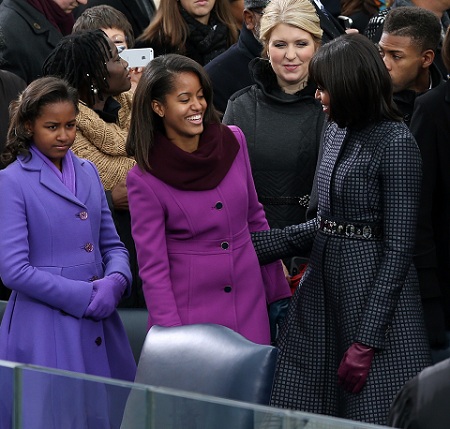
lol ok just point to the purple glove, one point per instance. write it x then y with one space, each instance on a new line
355 366
106 295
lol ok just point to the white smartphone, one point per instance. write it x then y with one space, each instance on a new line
137 57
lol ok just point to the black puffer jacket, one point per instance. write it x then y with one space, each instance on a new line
283 134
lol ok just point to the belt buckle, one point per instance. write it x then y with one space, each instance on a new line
367 231
332 226
350 230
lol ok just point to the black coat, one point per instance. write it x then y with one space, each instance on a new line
405 99
283 133
229 72
26 39
430 126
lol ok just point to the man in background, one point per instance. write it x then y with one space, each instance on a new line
408 45
439 7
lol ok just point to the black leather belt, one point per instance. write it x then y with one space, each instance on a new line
288 201
350 229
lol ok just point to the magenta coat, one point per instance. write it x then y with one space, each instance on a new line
195 255
53 243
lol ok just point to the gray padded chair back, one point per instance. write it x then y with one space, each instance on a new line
209 359
2 309
135 323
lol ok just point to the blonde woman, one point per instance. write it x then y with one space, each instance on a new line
279 115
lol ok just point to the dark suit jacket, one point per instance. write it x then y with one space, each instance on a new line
229 72
430 126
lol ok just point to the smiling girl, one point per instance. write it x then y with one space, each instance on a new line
193 205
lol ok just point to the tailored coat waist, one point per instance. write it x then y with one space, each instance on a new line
349 229
199 246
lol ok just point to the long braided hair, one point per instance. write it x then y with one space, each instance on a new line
81 59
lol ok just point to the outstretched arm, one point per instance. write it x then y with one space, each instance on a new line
283 243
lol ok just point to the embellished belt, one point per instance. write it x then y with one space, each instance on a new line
350 229
288 201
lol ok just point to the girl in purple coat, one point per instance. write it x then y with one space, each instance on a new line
61 255
193 205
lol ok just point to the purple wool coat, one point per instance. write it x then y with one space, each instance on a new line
195 255
53 244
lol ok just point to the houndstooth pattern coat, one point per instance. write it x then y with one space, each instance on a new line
355 289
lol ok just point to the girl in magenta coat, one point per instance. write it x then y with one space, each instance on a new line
193 205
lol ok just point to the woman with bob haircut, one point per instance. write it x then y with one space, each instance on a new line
199 30
112 21
115 25
354 332
193 205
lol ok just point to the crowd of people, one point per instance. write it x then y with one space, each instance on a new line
262 133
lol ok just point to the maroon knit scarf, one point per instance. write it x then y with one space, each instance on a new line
200 170
55 15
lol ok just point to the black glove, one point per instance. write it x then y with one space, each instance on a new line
277 313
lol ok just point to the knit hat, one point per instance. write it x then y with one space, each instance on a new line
255 4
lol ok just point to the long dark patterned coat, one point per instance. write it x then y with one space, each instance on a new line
355 289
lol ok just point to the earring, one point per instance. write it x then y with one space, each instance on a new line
94 90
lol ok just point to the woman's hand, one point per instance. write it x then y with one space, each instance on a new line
355 366
106 294
135 74
119 196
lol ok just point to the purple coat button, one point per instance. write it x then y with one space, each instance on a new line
89 247
83 215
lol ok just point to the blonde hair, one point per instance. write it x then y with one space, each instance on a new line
298 13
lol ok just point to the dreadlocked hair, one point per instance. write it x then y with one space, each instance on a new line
81 59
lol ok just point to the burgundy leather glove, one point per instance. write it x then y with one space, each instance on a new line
355 366
106 294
